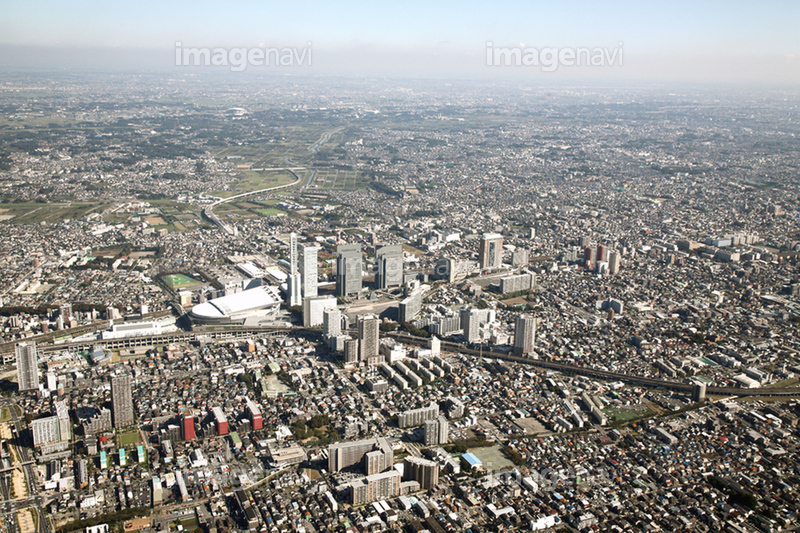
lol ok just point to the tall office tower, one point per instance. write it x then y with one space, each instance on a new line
524 334
583 242
308 270
490 251
187 427
294 290
589 256
292 253
65 311
293 283
614 258
368 327
470 323
331 322
389 260
121 401
27 366
348 269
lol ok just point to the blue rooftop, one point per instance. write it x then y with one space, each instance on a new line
470 458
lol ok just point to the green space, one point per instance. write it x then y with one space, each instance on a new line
338 180
128 439
179 281
785 383
252 180
492 457
616 414
269 211
5 414
318 429
190 525
35 213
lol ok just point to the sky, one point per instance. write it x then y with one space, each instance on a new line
707 41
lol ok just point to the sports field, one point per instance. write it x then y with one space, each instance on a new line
179 281
129 438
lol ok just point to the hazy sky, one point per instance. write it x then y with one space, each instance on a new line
752 42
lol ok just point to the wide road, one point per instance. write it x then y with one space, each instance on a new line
34 499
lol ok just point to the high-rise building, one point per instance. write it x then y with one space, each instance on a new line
410 307
293 283
187 427
331 322
424 471
436 431
602 252
524 334
614 258
52 431
490 250
308 270
589 257
470 323
520 257
417 417
121 401
351 353
368 331
254 413
446 269
220 420
389 261
699 392
342 455
27 366
348 269
293 290
314 308
435 345
375 487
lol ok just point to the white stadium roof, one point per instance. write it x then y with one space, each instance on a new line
237 304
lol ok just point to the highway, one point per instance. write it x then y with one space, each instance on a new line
208 212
